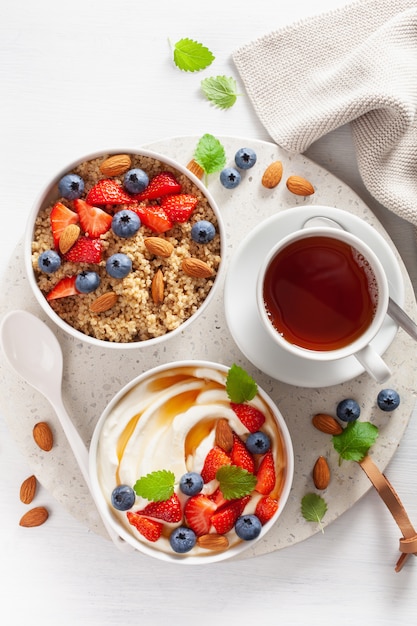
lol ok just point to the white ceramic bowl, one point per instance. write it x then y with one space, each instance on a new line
155 422
51 194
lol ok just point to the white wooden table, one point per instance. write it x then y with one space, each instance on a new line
87 76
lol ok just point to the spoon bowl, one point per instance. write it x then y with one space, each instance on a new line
34 353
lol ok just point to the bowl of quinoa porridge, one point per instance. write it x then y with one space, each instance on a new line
124 248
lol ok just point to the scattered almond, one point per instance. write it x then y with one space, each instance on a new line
28 489
196 268
327 424
115 165
321 473
272 175
42 435
300 186
195 168
157 287
214 542
69 237
104 302
34 517
223 435
159 246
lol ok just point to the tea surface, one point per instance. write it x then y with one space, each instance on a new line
320 293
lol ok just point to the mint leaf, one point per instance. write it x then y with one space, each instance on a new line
235 482
210 154
220 90
313 508
240 386
156 486
356 439
192 56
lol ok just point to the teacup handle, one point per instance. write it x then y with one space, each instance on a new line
373 364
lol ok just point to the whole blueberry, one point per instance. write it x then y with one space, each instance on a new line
125 223
86 282
203 231
49 261
123 497
348 410
258 443
388 399
245 158
118 265
182 539
135 180
191 483
71 186
230 177
248 527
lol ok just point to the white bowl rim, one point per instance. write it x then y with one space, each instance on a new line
28 238
178 558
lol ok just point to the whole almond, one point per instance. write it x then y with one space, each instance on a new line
159 247
223 436
28 489
115 165
196 268
300 186
321 473
195 168
214 542
42 435
34 517
272 175
327 424
69 237
157 287
104 302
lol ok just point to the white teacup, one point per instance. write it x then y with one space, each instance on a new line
322 294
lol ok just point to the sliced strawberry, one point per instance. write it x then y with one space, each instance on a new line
240 455
166 510
266 508
108 191
162 184
179 207
216 457
154 217
148 528
266 475
218 498
61 217
225 518
94 221
85 250
197 512
65 287
251 417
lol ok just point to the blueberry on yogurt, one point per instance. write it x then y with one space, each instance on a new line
182 539
258 443
123 497
191 483
248 527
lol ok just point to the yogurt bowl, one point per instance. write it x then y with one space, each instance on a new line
124 249
185 474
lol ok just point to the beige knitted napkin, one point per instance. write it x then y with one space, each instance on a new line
358 65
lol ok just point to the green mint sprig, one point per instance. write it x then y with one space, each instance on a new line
354 442
313 508
240 386
220 90
235 482
156 486
210 154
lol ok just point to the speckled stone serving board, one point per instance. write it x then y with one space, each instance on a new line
93 375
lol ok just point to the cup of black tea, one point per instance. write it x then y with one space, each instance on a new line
322 295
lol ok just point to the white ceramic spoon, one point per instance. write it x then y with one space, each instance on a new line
394 310
33 351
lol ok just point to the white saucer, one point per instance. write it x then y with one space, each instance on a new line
241 308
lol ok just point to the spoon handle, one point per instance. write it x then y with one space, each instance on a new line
402 318
81 455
